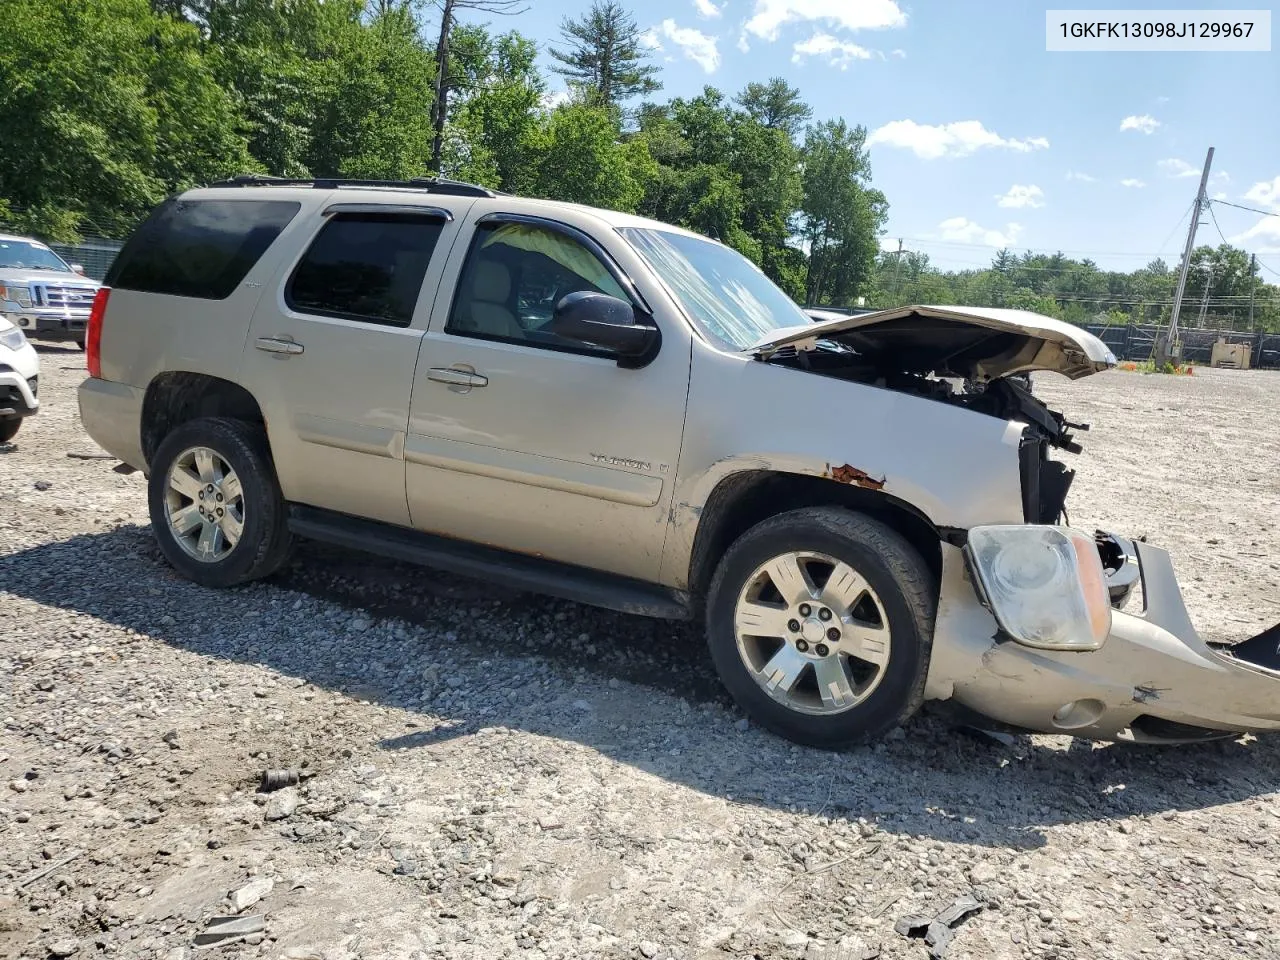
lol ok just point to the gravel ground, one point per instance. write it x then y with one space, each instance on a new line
491 775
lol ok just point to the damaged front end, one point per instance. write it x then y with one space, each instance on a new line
1037 625
1149 678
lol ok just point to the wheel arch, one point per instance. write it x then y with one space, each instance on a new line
176 397
743 499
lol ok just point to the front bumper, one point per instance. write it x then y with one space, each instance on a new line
66 325
1154 680
17 394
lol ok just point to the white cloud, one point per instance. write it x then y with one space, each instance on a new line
1266 193
651 40
1162 99
696 45
1178 168
1133 182
555 98
1220 177
1083 177
1262 237
888 245
771 15
900 54
1220 195
839 53
708 10
1143 124
962 230
949 139
1021 196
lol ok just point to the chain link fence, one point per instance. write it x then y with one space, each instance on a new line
1136 342
95 254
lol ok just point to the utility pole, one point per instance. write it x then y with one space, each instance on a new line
1253 269
1170 341
897 271
1204 301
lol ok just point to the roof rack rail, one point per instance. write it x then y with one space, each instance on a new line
427 184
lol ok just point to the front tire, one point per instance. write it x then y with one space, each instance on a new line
820 622
9 429
216 506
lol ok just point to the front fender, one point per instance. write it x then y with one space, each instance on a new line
955 467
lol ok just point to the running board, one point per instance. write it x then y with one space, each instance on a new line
515 570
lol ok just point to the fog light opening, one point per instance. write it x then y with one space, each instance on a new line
1078 713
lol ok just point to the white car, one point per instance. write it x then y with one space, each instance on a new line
19 378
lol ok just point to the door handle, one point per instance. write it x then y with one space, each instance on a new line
456 377
279 345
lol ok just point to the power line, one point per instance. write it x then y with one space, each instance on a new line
1213 216
1265 213
1185 213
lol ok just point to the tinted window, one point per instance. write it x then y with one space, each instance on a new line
199 248
515 275
366 266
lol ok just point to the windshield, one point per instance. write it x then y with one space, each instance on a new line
725 294
22 254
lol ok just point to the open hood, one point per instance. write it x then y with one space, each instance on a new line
974 342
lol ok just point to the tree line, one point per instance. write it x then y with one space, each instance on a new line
108 106
1221 282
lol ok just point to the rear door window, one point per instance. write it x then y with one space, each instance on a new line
367 267
199 248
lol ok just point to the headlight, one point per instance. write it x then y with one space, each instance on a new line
1045 585
12 338
14 293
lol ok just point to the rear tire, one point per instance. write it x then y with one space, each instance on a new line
820 622
9 429
216 506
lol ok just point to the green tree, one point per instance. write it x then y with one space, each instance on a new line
606 55
447 80
106 106
776 105
373 117
842 215
577 156
496 119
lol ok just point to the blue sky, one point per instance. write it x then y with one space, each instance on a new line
981 138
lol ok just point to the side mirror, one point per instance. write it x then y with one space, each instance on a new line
78 268
607 322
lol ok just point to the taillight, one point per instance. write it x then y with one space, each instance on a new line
93 335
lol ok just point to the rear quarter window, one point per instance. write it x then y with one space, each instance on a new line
199 248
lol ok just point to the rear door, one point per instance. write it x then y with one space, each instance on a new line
334 343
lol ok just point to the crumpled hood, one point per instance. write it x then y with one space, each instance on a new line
977 342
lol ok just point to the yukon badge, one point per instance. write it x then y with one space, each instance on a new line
622 462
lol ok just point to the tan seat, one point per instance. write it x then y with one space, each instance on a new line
490 293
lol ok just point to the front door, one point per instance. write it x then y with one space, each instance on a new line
520 440
332 351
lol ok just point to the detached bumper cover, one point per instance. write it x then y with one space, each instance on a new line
1155 679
